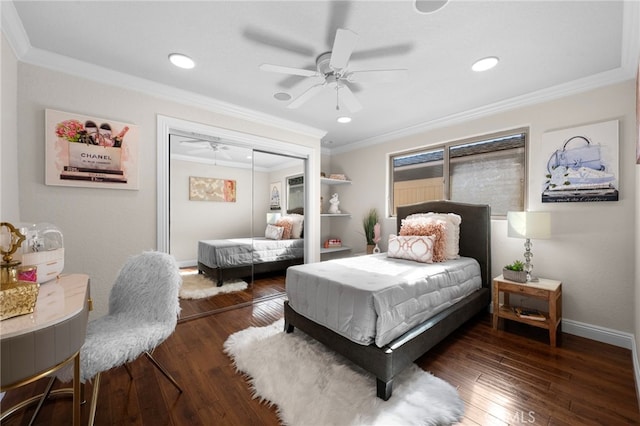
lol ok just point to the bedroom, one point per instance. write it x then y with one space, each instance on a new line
601 301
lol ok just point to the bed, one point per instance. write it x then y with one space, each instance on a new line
397 352
225 259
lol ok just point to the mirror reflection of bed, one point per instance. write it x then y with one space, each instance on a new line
204 219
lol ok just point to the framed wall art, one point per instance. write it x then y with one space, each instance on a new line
88 151
581 164
212 189
275 196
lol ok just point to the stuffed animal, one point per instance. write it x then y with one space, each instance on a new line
333 209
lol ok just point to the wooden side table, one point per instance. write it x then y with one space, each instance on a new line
545 289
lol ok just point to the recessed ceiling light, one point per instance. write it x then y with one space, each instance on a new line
485 64
182 61
344 119
429 6
282 96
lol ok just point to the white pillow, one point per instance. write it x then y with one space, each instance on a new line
411 247
452 227
273 232
298 223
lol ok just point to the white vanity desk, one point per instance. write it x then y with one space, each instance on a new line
35 345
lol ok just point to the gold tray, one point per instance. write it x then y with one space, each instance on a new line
19 299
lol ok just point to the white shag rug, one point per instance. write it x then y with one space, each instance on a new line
198 286
312 385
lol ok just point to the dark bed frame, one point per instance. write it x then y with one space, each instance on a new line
222 274
384 363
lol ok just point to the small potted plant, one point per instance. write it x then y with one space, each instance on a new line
368 223
515 272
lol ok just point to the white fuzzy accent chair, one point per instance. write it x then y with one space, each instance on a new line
143 313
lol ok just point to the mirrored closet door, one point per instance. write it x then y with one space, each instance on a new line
220 200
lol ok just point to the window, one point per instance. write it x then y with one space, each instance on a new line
485 170
295 191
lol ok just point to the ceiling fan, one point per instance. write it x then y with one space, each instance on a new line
332 68
204 146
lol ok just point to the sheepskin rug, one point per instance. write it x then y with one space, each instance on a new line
198 286
311 385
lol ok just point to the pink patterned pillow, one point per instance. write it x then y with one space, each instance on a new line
424 227
418 248
287 224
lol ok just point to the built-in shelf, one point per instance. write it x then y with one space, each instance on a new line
334 249
332 182
327 181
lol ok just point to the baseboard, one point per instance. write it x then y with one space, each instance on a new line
187 263
599 334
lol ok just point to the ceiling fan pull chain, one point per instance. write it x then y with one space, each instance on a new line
337 99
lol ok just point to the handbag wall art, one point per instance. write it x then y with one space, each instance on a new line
584 166
90 151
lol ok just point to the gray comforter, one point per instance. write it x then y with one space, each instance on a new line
376 298
235 252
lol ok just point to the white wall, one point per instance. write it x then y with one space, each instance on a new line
9 187
102 227
191 221
593 244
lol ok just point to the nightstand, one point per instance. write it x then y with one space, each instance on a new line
544 289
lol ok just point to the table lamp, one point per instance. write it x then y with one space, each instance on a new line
529 225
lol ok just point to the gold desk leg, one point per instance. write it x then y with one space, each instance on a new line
76 390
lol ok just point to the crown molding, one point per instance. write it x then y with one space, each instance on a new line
19 41
13 30
577 86
630 56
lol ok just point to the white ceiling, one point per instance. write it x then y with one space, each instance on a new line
546 49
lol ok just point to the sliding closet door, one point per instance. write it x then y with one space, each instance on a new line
210 194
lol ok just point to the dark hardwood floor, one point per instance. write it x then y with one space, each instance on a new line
510 376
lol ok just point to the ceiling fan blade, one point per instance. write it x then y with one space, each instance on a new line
224 155
198 151
305 96
343 46
195 143
376 52
260 36
377 76
338 15
288 70
348 98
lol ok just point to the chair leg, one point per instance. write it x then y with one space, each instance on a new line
94 399
45 395
163 371
126 367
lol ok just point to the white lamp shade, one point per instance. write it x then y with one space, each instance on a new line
534 225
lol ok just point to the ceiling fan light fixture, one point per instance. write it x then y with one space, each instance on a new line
429 6
344 119
485 64
282 96
181 61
